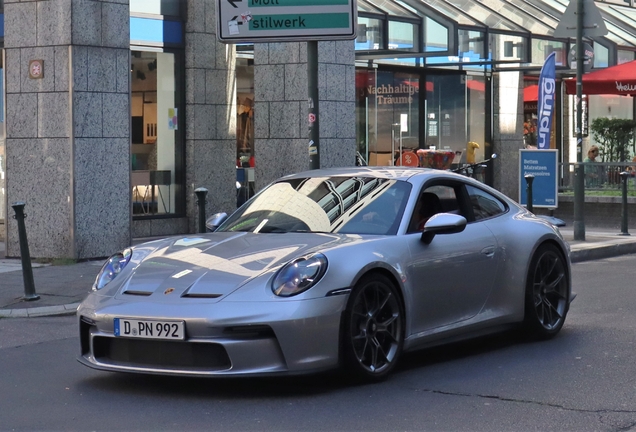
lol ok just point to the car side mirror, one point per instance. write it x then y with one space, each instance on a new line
442 223
214 221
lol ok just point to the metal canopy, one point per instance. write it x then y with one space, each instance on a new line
525 18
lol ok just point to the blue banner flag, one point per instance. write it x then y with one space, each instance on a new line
545 108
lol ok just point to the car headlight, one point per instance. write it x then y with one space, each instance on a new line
299 275
111 268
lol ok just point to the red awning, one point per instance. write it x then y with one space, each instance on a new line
614 80
531 93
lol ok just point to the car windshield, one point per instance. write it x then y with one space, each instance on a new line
347 205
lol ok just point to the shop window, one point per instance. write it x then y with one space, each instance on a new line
436 36
542 48
369 36
388 114
471 45
157 147
509 47
403 36
601 56
530 101
446 127
244 113
624 56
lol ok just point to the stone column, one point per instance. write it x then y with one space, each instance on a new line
507 131
210 113
281 127
68 132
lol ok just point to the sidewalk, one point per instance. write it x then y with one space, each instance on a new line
62 287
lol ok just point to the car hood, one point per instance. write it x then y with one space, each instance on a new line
214 265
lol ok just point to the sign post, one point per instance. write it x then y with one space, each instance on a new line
581 18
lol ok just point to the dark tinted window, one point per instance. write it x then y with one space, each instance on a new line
484 204
433 200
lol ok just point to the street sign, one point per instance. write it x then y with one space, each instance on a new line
593 22
244 21
588 59
543 165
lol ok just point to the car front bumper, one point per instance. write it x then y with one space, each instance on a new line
222 339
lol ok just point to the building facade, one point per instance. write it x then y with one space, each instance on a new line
136 104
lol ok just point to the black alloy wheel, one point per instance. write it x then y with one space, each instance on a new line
373 331
547 293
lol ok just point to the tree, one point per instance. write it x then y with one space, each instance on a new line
615 138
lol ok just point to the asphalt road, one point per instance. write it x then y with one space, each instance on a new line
583 380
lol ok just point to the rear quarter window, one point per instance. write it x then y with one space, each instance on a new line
484 205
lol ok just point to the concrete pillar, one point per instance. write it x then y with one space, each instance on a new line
507 131
210 69
281 127
68 132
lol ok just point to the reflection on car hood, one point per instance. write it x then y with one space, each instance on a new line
213 265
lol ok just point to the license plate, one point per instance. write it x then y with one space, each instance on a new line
173 330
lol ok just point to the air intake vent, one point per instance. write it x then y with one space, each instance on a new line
137 293
200 295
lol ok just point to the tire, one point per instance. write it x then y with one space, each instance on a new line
373 329
547 293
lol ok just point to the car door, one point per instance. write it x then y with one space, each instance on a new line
452 276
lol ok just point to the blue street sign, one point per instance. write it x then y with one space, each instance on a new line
543 165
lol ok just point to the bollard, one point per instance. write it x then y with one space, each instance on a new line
201 194
27 270
624 176
529 179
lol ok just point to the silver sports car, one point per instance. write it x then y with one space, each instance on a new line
330 268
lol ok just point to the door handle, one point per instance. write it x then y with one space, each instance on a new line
489 251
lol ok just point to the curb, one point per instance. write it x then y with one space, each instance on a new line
608 251
68 309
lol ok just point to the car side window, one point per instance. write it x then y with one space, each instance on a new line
432 200
484 204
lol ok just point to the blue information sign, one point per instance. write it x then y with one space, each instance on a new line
542 164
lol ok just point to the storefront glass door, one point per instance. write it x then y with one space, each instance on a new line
388 114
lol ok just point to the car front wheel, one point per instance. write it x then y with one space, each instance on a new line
373 330
547 293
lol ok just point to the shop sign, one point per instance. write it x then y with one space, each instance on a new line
542 164
387 94
246 21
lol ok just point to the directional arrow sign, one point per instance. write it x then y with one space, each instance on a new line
244 21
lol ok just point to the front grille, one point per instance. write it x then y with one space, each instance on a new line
160 354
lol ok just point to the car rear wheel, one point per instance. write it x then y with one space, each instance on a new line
547 293
373 330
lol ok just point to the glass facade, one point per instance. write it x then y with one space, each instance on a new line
157 147
157 109
401 111
244 112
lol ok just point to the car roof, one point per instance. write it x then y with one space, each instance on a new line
413 175
388 172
